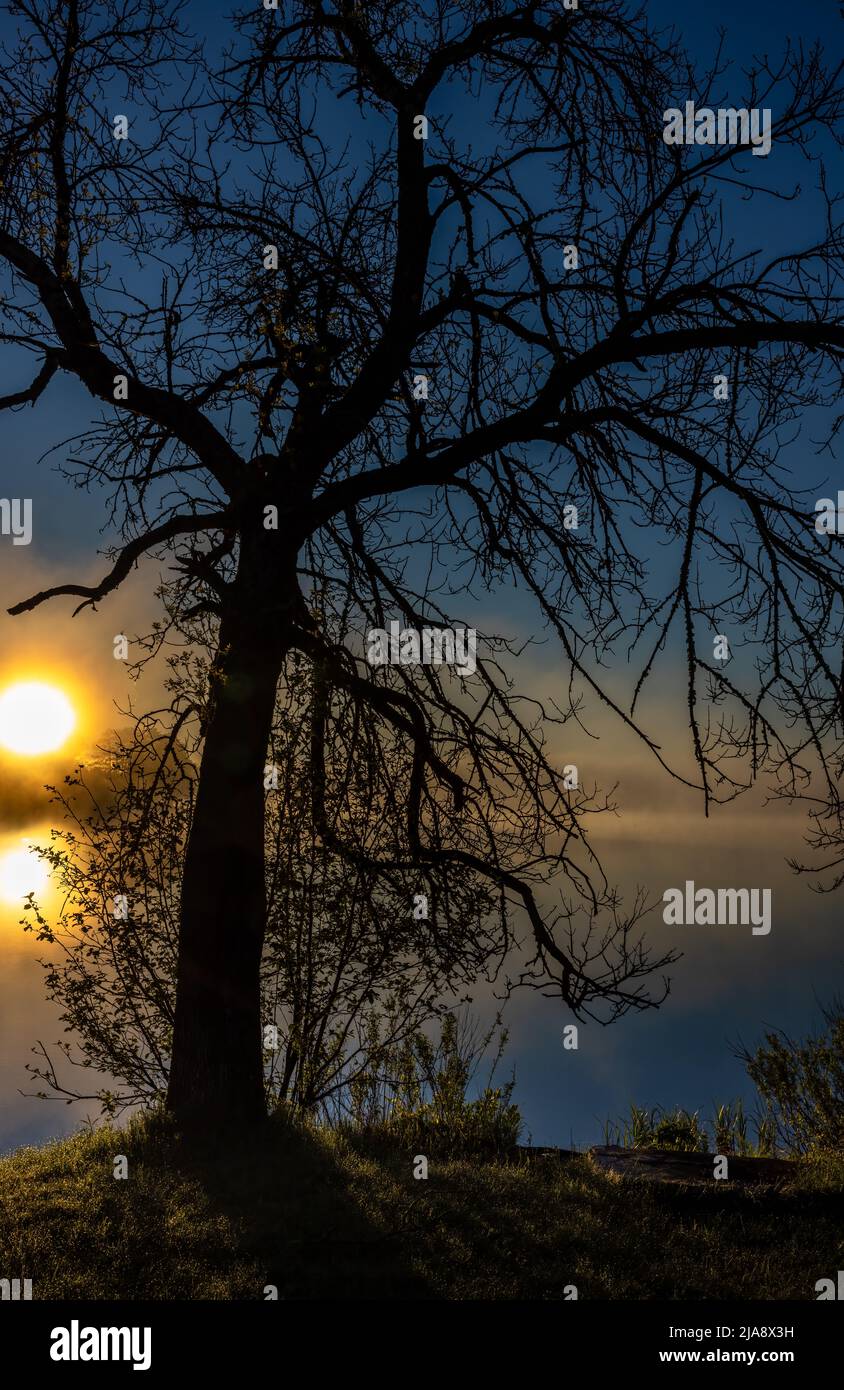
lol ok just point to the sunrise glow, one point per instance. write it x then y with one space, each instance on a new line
34 718
21 872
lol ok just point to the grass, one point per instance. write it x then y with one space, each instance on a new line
325 1215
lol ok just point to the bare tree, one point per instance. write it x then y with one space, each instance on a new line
352 967
278 261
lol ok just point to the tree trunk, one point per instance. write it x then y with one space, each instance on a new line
216 1070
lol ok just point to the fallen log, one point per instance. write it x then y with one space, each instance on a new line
668 1165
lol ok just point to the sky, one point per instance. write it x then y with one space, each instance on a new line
729 986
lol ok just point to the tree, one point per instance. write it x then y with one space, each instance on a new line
310 259
350 972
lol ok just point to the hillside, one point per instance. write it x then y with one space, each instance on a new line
324 1216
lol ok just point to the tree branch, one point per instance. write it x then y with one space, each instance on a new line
176 526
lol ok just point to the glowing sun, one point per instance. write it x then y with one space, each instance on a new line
34 718
21 872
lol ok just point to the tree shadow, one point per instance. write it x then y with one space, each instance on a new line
290 1202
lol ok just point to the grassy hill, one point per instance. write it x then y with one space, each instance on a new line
322 1215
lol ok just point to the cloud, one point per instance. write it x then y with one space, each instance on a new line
24 798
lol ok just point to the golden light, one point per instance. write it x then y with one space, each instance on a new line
34 718
21 872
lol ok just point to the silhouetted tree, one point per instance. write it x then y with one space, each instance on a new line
352 967
279 260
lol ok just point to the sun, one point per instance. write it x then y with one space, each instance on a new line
34 718
21 872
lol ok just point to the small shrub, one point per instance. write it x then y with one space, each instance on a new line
424 1104
678 1130
684 1131
802 1085
731 1132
